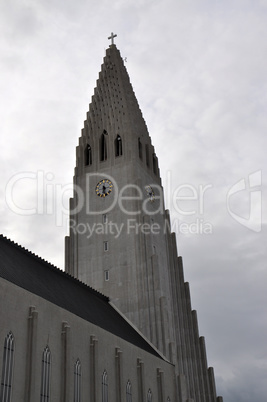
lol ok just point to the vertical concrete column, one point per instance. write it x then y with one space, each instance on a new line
192 342
151 308
161 387
141 380
182 388
65 363
188 344
30 372
69 240
174 286
173 315
93 369
118 374
67 254
176 335
141 278
198 357
171 350
212 384
182 369
185 330
74 237
181 350
156 301
164 319
204 368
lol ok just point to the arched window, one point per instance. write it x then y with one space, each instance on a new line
88 155
128 392
105 387
155 164
140 150
118 146
8 358
77 381
149 396
103 146
147 155
45 381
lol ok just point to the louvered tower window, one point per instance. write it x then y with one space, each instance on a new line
7 369
140 150
147 155
103 146
45 381
155 164
88 155
128 392
105 387
118 146
77 381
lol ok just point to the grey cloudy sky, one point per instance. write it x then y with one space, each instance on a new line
198 68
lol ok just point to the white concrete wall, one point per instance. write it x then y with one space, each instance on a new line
14 312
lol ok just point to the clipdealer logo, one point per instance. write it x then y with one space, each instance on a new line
50 198
254 205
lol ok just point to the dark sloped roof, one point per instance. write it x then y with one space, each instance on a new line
30 272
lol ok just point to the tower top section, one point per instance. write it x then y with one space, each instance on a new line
114 108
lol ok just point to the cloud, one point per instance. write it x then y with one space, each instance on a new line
239 389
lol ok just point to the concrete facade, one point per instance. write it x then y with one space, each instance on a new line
36 323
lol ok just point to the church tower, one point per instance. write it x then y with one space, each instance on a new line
120 241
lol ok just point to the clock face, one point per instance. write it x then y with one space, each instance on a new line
150 193
104 188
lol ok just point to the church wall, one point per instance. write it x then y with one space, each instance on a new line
69 338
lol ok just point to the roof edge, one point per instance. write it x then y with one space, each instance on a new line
139 333
53 267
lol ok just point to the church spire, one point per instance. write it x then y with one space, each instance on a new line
114 109
120 241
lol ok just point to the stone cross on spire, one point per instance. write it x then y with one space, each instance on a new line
112 37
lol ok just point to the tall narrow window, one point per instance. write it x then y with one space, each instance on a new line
155 164
128 392
103 146
147 155
140 150
106 276
88 155
118 146
8 358
105 244
149 396
105 387
77 381
45 381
